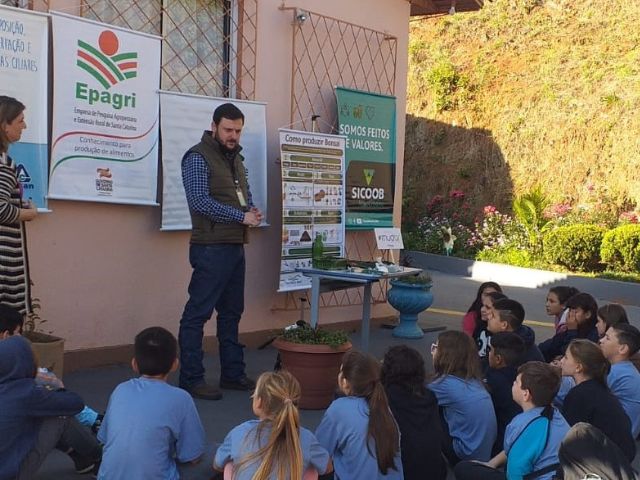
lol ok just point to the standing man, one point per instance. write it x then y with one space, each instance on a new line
222 209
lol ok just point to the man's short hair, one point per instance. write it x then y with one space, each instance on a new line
509 346
155 351
228 111
542 380
515 309
10 318
627 335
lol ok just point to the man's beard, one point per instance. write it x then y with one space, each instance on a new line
223 146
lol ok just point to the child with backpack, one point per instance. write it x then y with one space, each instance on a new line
274 447
533 437
359 430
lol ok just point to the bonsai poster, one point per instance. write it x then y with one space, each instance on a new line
105 113
312 201
24 53
369 122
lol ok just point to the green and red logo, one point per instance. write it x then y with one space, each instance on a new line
105 64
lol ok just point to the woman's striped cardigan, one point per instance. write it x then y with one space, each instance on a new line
14 275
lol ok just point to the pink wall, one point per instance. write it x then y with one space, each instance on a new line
103 272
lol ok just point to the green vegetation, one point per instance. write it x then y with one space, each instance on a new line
529 107
318 336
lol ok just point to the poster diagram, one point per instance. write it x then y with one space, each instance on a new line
312 201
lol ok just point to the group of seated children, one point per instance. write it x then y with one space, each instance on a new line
597 352
491 417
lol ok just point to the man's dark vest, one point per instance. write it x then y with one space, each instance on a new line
222 188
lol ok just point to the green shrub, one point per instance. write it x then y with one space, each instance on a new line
510 256
576 247
621 248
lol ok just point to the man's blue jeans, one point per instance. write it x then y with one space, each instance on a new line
217 283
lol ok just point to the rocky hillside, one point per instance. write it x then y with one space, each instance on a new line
526 92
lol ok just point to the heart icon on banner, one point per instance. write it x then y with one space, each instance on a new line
370 112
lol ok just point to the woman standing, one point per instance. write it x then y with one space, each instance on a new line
14 274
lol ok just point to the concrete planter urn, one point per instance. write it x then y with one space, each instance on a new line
410 298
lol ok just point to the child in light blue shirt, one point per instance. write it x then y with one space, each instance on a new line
359 451
619 343
150 425
275 444
533 437
468 412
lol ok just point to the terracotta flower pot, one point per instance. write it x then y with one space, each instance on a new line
316 367
49 351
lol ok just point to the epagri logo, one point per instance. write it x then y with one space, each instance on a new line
367 193
109 68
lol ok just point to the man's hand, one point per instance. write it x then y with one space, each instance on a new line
258 213
252 218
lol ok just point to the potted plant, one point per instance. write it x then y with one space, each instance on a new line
48 349
410 296
314 357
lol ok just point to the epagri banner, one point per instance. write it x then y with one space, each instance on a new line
368 120
24 53
105 113
184 119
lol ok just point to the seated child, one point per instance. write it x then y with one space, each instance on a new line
507 315
415 408
533 437
275 445
482 334
581 323
33 420
506 351
590 400
556 305
587 453
149 424
358 430
618 345
11 323
609 315
469 421
472 320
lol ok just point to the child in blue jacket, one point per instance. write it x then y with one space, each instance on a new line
33 419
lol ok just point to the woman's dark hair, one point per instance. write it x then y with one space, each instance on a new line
613 314
480 325
404 366
587 303
362 371
590 356
457 355
10 109
477 303
564 293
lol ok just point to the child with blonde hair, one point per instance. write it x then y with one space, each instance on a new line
275 446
